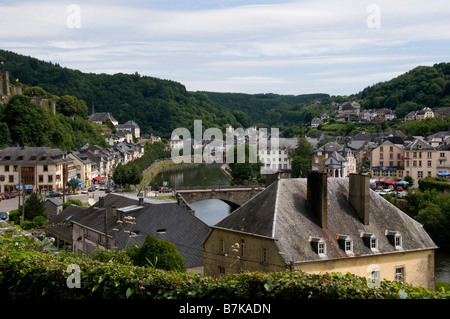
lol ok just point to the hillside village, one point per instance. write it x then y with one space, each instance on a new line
315 224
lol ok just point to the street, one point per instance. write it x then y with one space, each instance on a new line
7 205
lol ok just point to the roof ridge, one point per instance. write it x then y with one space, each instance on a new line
275 208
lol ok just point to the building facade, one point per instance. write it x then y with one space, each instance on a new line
387 161
318 225
37 168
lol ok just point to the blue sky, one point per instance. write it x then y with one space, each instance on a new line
260 46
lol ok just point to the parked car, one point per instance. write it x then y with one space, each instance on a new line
384 192
402 194
103 187
399 189
4 216
91 189
84 191
54 194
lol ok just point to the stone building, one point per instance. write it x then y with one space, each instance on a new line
318 225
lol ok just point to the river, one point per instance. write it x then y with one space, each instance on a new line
212 211
198 175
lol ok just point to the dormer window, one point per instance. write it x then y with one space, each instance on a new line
395 238
319 245
370 240
346 243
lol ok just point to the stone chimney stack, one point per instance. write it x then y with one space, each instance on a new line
101 202
317 195
359 195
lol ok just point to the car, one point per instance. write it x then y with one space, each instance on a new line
84 191
91 189
402 194
399 189
4 216
54 194
103 187
384 192
109 190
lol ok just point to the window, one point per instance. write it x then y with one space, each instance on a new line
399 273
321 249
370 240
319 245
429 163
45 168
395 238
429 154
221 246
41 178
221 271
11 178
264 256
381 148
6 168
420 174
50 178
373 243
346 243
242 247
391 149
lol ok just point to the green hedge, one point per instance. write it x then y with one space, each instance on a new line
26 272
437 183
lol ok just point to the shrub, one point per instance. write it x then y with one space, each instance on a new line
27 273
157 253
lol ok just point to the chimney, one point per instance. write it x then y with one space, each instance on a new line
359 195
112 212
101 202
317 195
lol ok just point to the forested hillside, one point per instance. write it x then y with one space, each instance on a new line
25 123
158 106
267 110
420 87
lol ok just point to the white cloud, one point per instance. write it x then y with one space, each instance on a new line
276 40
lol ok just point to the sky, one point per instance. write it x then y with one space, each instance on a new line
248 46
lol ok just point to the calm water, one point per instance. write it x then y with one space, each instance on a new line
209 211
442 266
212 211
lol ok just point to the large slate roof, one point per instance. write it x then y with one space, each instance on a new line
280 212
180 227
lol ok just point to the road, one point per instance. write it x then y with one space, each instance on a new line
7 205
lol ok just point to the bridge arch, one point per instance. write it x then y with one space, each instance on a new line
233 196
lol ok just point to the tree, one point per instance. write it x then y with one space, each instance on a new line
158 253
300 157
241 167
34 207
73 184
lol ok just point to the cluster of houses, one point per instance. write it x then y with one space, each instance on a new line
385 156
46 169
352 112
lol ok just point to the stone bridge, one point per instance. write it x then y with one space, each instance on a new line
235 196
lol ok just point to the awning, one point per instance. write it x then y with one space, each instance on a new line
76 180
390 182
443 174
99 179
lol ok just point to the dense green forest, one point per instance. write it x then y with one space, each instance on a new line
420 87
25 123
159 106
